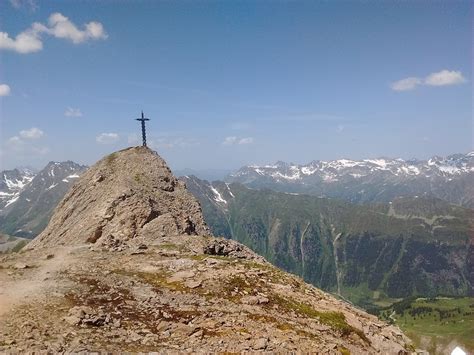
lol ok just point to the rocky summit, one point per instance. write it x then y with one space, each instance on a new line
127 264
129 197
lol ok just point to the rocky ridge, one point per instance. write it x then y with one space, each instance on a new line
127 197
163 284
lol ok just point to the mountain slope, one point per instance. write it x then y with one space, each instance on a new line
11 184
33 206
369 180
160 285
124 207
410 247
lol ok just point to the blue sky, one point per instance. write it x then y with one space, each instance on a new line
228 83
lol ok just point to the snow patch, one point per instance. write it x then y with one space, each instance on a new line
218 196
12 200
308 171
228 189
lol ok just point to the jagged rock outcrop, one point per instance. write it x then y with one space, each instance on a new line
126 198
126 266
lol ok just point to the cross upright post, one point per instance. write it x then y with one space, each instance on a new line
142 120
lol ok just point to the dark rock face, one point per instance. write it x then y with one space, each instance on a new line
128 197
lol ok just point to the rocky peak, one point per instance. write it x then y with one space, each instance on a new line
129 197
176 290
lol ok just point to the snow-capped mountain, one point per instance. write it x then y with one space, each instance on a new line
12 183
369 180
29 209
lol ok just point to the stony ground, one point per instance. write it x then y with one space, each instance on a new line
187 293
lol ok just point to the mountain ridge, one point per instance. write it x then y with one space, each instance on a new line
369 180
33 204
153 278
408 247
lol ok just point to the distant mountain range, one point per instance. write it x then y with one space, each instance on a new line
28 199
399 238
370 180
366 253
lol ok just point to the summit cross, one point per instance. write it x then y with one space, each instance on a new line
143 119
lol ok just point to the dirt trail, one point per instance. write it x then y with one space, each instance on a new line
34 281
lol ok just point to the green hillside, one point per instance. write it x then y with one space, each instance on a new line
435 324
370 255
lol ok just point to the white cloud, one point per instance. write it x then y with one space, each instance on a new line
340 128
59 26
4 90
72 112
14 141
406 84
107 138
247 140
445 77
235 140
25 142
32 133
25 42
229 140
441 78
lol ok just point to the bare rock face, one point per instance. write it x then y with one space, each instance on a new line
126 198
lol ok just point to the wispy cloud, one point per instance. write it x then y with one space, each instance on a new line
59 26
441 78
232 140
26 142
107 138
31 5
32 133
445 77
406 84
72 112
4 90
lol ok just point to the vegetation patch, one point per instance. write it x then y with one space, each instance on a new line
441 320
335 320
172 246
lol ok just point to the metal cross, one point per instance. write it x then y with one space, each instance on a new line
143 119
